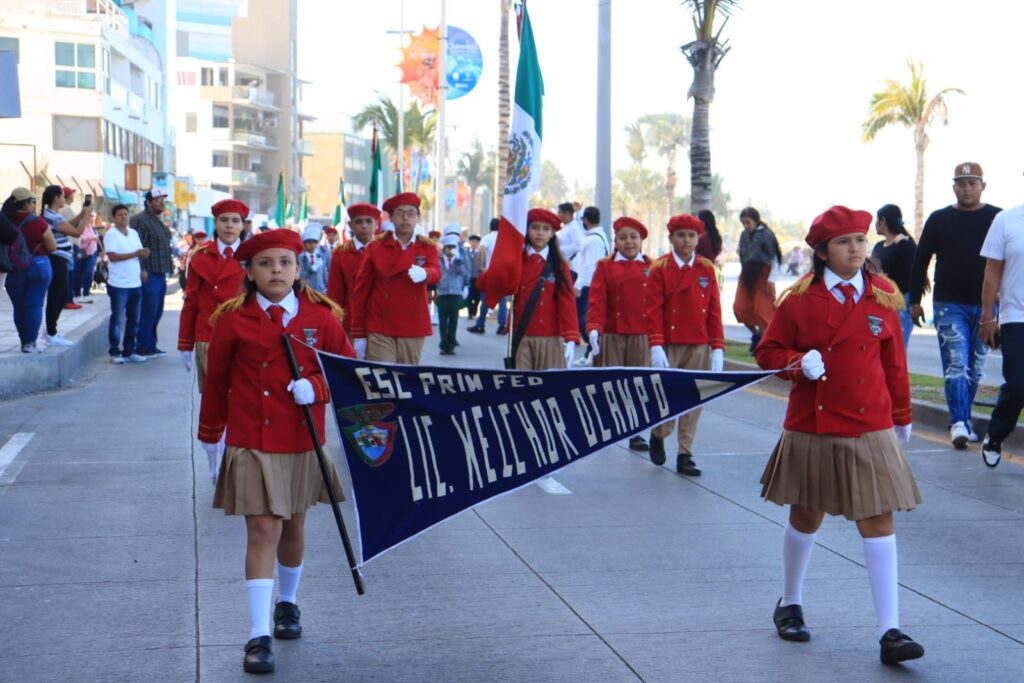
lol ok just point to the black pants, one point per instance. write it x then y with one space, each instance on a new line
473 301
57 294
1011 394
582 302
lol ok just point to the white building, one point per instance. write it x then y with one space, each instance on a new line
93 93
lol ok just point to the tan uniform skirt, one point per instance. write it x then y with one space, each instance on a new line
201 349
857 478
540 353
623 351
384 349
252 482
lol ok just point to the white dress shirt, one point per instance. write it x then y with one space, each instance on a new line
593 250
832 282
221 246
290 304
680 262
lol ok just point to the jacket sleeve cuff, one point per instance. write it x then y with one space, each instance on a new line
210 433
320 388
902 416
655 340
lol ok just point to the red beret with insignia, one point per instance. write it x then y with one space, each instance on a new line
685 222
282 238
230 206
627 222
544 216
839 220
403 199
364 209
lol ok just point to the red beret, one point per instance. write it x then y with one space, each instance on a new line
364 209
230 206
404 199
434 234
838 220
543 216
330 230
68 191
685 222
282 238
627 222
197 233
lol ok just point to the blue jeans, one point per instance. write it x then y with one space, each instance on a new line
1011 394
153 291
906 322
27 289
963 356
502 312
125 308
582 303
81 279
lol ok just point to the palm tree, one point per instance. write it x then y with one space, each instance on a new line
704 54
665 134
420 132
476 171
910 106
385 114
504 110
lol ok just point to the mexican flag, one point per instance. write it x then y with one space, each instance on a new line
304 210
342 202
376 175
524 163
281 208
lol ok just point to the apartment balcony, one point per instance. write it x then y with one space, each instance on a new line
136 106
304 147
304 112
119 95
113 18
244 138
256 98
250 179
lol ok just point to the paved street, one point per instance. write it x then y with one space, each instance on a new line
114 567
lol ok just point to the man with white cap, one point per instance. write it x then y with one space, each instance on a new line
313 262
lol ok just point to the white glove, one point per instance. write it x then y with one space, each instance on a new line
717 360
903 432
360 346
213 458
595 342
186 360
658 357
417 274
465 292
302 391
570 353
812 365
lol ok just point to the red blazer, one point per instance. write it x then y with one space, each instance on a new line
345 262
684 306
248 374
619 293
555 313
212 280
383 298
865 387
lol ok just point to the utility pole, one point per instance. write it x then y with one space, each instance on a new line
603 162
442 95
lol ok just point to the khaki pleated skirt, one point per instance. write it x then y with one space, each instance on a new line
857 478
623 351
540 353
281 484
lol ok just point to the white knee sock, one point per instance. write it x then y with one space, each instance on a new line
288 580
260 591
883 574
796 555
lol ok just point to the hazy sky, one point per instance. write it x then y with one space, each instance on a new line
791 94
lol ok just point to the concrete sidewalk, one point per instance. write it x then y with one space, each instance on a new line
114 567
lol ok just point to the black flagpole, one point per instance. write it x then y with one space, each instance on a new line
325 472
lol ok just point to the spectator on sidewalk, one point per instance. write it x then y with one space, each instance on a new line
570 237
451 293
954 236
1004 277
124 286
894 256
61 261
27 288
473 272
710 243
86 254
484 257
760 260
594 247
156 239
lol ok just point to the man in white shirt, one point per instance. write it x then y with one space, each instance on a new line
484 256
1004 326
124 286
570 237
594 247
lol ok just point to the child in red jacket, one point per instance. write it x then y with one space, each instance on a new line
684 326
270 474
617 311
839 329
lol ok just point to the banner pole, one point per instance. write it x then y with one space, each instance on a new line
511 320
325 472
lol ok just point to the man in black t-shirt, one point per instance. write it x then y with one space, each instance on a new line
954 235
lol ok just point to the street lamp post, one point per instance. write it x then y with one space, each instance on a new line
603 162
442 95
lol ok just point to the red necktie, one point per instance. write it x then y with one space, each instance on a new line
848 291
228 253
276 314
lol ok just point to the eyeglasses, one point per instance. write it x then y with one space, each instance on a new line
402 213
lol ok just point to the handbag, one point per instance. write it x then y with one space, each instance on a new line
531 303
101 273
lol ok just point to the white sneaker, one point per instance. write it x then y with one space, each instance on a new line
117 360
971 435
135 358
85 300
57 340
30 348
959 435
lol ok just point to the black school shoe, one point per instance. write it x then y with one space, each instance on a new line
637 443
475 329
657 450
686 465
286 621
259 656
789 623
991 451
755 339
501 330
899 647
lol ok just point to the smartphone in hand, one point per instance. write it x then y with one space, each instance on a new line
88 200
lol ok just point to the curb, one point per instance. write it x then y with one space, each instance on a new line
926 413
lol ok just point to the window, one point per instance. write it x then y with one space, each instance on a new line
9 45
220 116
76 65
105 69
76 134
191 122
207 74
220 159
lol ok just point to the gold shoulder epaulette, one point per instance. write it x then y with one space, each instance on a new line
795 289
200 248
383 235
322 299
660 261
886 292
228 306
706 262
423 239
607 258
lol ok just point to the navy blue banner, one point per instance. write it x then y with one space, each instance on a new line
425 443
